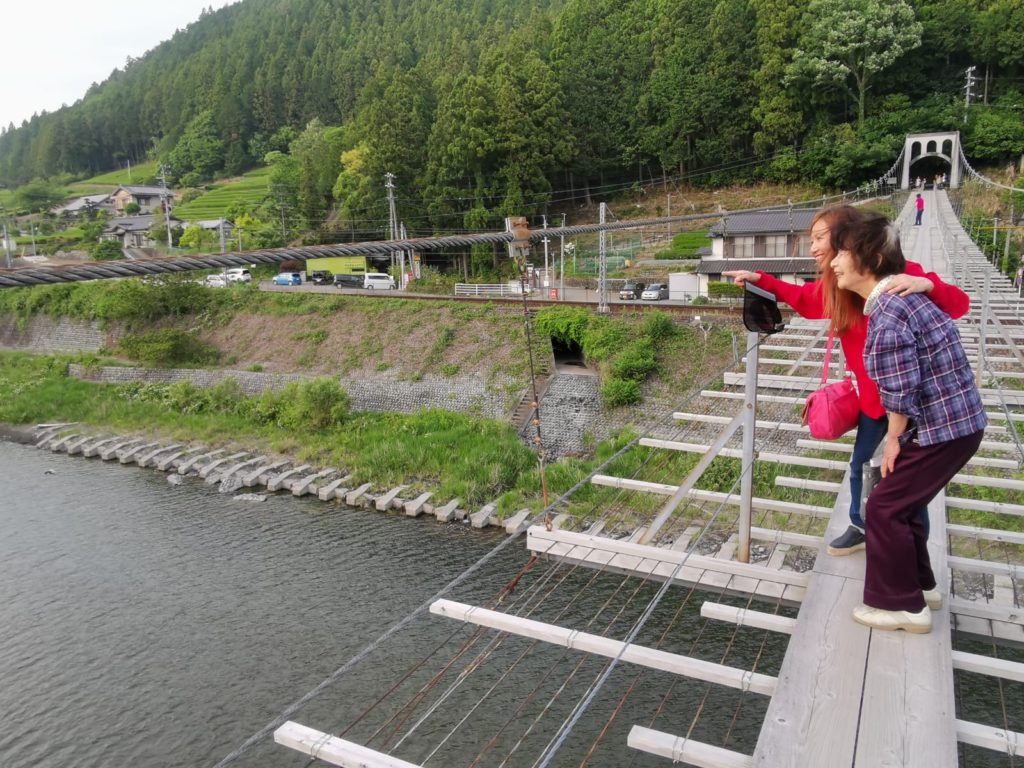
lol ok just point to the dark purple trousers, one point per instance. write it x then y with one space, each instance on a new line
898 566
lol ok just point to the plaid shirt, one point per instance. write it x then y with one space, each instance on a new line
914 355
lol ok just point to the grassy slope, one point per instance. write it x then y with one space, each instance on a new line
250 188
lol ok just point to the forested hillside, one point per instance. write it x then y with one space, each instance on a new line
483 107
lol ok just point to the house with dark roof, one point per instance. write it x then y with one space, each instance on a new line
774 241
147 198
133 231
86 204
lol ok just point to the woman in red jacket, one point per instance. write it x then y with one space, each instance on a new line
823 299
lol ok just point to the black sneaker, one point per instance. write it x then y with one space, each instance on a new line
850 542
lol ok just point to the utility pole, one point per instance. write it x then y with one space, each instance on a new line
7 247
561 268
220 230
602 268
968 90
995 240
389 185
668 213
165 200
1006 244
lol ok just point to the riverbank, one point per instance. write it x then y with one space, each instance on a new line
234 471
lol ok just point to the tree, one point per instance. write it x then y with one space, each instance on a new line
848 42
199 152
107 250
777 111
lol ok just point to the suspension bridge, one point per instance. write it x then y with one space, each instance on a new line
677 605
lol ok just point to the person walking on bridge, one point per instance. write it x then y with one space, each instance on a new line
936 422
919 203
823 299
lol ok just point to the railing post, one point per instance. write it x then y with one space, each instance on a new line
747 464
982 327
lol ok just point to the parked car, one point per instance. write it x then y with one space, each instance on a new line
378 281
238 275
655 292
348 281
288 278
631 290
215 281
320 277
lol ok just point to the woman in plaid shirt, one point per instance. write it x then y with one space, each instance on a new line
914 355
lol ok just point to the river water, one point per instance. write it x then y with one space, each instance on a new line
144 624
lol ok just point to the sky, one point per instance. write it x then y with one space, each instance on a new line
54 50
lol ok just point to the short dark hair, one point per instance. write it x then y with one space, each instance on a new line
874 244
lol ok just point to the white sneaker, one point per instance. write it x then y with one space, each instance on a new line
934 598
919 623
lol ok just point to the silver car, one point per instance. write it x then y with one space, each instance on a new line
655 292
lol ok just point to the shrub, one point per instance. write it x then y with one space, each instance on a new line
636 362
313 404
615 392
658 326
107 250
169 348
723 290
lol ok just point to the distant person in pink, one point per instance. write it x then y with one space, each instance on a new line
920 209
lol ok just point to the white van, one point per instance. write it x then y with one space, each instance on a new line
378 281
238 275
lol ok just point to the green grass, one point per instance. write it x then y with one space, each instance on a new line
250 189
143 174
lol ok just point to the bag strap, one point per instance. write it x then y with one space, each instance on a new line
828 354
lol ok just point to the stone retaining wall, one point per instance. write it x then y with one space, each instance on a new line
41 333
571 415
469 394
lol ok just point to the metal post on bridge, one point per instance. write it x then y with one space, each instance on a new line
747 462
982 327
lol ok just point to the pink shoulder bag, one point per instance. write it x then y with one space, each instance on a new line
832 411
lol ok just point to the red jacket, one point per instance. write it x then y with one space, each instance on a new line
808 302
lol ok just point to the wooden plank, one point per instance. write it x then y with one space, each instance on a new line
785 537
986 665
683 750
807 485
775 458
717 497
983 566
331 749
812 718
983 505
990 737
985 534
1007 483
908 709
541 540
652 658
744 617
984 610
784 426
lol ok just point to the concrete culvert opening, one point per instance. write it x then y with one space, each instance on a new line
568 354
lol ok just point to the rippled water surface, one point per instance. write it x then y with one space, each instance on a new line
144 624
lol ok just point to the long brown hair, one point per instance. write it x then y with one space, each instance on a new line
843 308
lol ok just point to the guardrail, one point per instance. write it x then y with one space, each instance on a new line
514 288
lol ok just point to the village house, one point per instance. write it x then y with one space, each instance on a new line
134 231
84 205
147 198
770 241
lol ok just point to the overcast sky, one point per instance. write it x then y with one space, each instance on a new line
53 50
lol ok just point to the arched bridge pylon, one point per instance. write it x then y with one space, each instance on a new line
944 144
